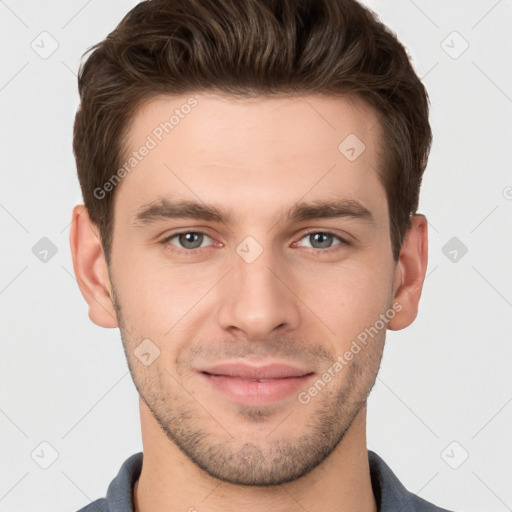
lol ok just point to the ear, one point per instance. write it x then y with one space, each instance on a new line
410 273
91 269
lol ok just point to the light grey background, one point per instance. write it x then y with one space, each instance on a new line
444 391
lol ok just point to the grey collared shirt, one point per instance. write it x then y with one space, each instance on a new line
390 494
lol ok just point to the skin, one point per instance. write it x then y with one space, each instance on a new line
298 302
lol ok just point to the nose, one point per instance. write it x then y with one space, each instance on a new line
258 298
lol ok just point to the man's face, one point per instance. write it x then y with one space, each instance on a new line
249 311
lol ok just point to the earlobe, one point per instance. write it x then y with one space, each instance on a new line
91 269
410 273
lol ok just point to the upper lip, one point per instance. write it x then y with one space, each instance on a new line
267 371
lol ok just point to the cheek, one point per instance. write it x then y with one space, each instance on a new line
348 298
157 298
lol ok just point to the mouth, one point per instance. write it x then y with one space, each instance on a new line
248 385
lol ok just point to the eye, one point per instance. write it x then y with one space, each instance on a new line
188 240
323 240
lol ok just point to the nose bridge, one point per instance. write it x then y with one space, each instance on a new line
256 300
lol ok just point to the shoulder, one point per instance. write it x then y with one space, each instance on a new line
119 496
96 506
390 493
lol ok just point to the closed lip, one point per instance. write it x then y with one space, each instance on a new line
250 372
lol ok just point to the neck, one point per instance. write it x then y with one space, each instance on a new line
170 481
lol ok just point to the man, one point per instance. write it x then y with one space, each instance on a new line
251 172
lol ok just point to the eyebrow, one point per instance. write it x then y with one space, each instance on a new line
185 209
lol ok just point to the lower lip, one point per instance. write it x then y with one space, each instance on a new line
254 392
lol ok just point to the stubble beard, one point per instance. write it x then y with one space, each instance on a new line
276 459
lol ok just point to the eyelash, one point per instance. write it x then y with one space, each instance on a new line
193 252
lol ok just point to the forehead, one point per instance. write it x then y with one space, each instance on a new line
279 149
201 118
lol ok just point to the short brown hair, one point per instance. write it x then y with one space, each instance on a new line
250 48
